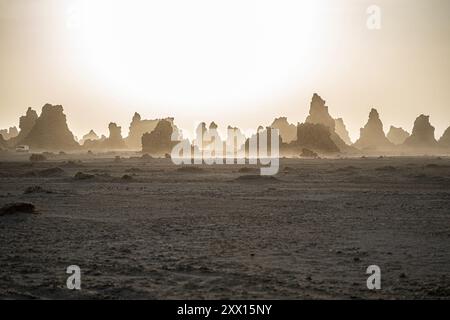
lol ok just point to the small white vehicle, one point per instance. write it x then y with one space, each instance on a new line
22 148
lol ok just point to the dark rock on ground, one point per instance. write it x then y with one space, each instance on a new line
306 153
190 169
18 207
83 176
256 178
52 172
35 189
37 158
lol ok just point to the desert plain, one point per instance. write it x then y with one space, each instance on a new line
144 228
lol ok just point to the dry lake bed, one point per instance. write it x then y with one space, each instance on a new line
147 229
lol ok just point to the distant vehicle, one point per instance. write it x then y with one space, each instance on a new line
22 148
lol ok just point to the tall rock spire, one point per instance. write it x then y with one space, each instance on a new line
372 135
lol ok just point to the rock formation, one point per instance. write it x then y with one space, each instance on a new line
200 136
397 135
115 140
139 126
91 135
18 207
444 141
306 153
288 131
137 129
341 130
207 140
13 132
50 131
372 136
10 133
235 141
422 136
318 114
315 137
3 144
214 139
159 141
26 123
252 145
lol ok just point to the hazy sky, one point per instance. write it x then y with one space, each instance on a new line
239 62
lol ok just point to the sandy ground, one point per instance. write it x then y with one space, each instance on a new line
309 233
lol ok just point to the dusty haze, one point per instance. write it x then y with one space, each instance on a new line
239 62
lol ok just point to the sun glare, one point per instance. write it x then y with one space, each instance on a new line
198 53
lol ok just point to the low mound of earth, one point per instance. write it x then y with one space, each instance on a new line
45 173
189 169
127 177
83 176
386 168
35 189
249 170
51 172
256 178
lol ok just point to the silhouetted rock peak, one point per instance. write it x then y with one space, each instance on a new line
445 139
288 131
341 130
397 135
26 123
91 135
136 117
422 134
29 118
50 131
115 132
374 115
372 135
318 113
